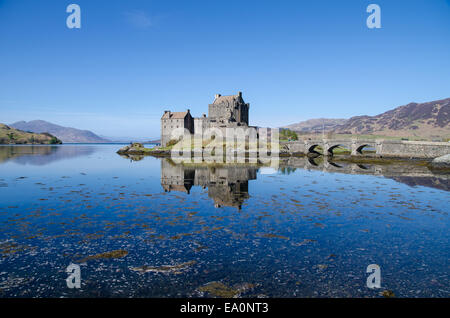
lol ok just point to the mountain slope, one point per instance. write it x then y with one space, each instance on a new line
9 135
66 134
316 125
431 119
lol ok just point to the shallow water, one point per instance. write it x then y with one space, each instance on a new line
308 229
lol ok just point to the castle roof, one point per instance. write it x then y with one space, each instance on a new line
219 99
174 115
224 99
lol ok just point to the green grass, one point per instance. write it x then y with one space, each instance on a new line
288 135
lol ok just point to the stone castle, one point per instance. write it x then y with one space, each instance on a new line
225 112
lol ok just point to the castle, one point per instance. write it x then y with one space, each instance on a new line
225 112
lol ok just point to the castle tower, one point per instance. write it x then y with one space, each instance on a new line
228 109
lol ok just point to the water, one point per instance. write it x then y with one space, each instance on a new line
308 230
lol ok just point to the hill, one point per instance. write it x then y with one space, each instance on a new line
316 125
66 134
427 120
9 135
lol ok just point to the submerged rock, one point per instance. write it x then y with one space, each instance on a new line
388 294
219 289
304 242
163 268
112 254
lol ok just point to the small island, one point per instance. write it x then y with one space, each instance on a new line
137 148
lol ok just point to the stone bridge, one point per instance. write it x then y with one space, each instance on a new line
382 148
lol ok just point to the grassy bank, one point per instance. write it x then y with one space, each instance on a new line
12 136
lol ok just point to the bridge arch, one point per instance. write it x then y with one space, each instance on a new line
313 149
360 148
332 148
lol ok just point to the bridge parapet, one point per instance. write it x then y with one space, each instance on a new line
355 146
388 148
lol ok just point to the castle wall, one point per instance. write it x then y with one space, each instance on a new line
168 125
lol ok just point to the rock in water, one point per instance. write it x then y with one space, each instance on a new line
138 149
388 294
123 150
134 148
441 162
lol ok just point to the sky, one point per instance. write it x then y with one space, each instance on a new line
293 60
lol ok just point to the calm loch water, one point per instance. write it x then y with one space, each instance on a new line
147 227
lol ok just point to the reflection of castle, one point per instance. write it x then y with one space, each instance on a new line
227 186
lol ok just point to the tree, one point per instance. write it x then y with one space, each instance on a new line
288 134
54 141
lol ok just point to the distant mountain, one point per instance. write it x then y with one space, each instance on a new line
316 125
431 120
66 134
153 141
128 139
10 135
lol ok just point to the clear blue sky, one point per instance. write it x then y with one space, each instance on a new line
293 60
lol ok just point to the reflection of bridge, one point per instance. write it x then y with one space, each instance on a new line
409 173
387 148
